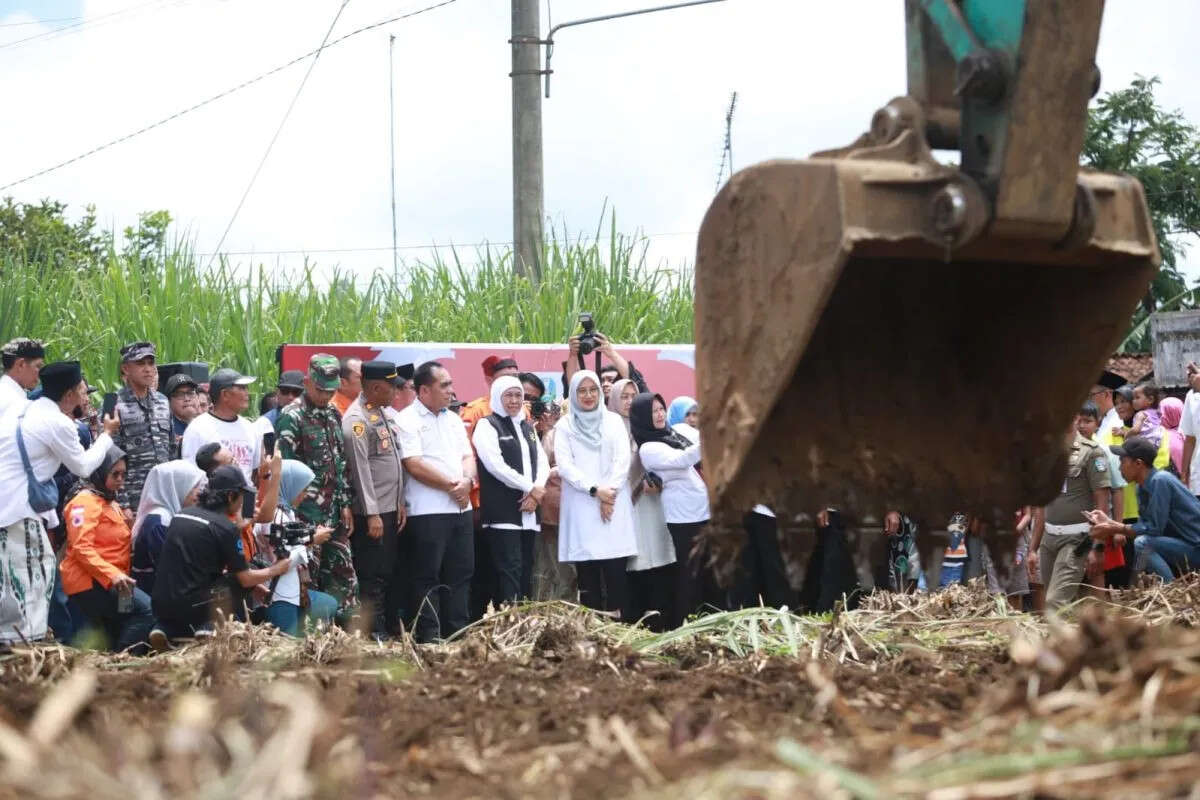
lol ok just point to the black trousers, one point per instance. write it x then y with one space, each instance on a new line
690 576
483 582
763 573
830 574
443 561
652 590
512 563
375 565
603 585
122 631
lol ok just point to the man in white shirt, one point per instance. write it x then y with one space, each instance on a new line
22 359
1189 426
1102 396
439 536
222 423
45 430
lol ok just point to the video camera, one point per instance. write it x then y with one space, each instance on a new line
284 536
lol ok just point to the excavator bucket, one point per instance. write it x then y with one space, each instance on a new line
879 331
848 357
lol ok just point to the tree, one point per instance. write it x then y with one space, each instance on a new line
40 234
1129 132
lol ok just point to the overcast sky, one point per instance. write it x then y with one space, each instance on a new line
636 119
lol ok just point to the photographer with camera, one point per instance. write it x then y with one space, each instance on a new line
203 565
592 341
288 599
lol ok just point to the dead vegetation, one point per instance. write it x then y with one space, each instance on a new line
944 696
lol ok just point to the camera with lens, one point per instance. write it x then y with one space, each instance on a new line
587 339
286 535
538 407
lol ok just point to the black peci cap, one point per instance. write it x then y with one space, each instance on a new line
378 371
1111 380
404 373
60 377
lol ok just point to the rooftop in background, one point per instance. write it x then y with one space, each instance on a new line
1133 367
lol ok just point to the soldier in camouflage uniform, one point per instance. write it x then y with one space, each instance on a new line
146 434
310 430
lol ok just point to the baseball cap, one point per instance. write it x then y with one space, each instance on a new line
137 351
323 369
1138 448
292 379
228 478
225 378
177 380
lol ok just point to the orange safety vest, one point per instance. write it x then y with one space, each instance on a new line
99 543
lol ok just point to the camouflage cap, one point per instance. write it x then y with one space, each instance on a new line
323 369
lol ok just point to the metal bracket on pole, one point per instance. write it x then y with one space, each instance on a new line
549 40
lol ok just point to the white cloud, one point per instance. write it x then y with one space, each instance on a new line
636 116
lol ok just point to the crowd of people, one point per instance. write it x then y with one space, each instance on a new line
366 494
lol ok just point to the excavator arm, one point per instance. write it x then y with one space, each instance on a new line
878 330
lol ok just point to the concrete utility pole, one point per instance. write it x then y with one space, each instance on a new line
527 138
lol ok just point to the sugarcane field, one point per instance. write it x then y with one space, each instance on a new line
338 459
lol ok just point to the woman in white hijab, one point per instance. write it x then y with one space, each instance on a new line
596 530
652 570
169 488
512 482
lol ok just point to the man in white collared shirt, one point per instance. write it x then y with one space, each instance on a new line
46 431
21 358
439 537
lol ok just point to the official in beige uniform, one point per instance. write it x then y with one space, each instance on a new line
373 463
1061 545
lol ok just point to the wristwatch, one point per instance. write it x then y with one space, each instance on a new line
592 491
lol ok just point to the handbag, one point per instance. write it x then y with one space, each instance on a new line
43 495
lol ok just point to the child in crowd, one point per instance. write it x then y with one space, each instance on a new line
954 562
1147 419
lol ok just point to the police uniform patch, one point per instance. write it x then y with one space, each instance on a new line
1101 464
384 444
374 418
358 428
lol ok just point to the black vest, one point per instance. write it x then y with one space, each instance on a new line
498 502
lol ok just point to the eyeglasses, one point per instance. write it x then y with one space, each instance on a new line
185 393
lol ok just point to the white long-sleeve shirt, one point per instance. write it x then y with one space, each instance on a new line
51 440
684 495
487 448
12 394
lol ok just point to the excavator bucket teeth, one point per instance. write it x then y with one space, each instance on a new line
864 343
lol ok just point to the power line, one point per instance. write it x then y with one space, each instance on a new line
38 22
727 150
220 96
286 114
83 23
447 246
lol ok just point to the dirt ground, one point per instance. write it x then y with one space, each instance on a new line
549 703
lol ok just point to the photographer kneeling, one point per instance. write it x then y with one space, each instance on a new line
202 559
288 598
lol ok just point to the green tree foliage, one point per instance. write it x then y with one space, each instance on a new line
1128 131
41 234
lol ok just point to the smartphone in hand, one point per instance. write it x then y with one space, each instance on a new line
269 444
110 405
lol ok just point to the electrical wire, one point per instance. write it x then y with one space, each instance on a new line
38 22
82 24
286 114
220 96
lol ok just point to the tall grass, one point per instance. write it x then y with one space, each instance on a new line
237 317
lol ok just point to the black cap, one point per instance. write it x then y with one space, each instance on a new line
228 478
226 377
378 371
28 349
1111 380
1138 448
60 377
137 351
404 373
292 379
177 380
